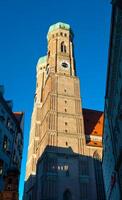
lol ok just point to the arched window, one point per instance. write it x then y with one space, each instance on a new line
96 155
63 47
67 195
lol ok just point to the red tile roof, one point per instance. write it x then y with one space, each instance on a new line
93 125
93 122
18 116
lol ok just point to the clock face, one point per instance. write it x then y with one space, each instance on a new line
65 64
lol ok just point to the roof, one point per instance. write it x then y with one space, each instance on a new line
18 116
59 25
93 125
8 107
93 122
94 143
42 60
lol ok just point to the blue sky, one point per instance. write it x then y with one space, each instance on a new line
23 28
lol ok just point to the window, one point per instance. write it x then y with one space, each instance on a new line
64 64
14 157
9 181
66 123
96 156
1 167
65 102
65 131
9 187
8 123
66 143
66 167
95 132
65 110
5 143
65 35
63 47
61 34
47 71
95 143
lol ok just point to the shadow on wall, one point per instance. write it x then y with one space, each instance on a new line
64 175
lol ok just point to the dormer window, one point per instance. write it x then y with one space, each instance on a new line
63 47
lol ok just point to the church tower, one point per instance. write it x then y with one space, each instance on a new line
57 136
57 115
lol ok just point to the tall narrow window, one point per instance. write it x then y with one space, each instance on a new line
9 186
5 143
1 167
63 47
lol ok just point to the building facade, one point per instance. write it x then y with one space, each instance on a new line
11 182
60 164
112 139
11 138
